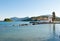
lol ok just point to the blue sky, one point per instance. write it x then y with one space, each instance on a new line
28 8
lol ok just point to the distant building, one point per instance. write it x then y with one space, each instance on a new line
45 18
50 18
42 18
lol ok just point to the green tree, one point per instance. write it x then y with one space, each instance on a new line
53 16
7 20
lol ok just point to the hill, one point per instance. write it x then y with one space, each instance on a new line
38 18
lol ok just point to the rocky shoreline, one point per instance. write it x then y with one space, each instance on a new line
34 23
37 23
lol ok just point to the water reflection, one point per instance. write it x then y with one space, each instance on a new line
42 32
54 36
54 31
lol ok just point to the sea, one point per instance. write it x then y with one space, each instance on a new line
13 31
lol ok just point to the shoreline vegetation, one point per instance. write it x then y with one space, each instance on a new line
7 20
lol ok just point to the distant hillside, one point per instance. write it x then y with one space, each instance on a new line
42 17
19 19
57 19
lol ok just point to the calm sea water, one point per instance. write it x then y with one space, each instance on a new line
41 32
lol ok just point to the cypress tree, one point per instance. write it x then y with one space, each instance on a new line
53 16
